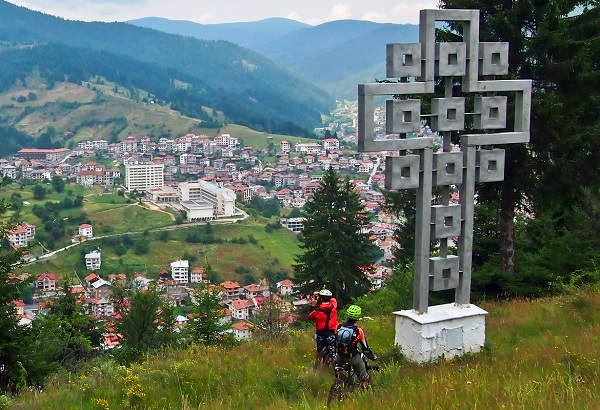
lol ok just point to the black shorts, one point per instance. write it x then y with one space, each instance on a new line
326 342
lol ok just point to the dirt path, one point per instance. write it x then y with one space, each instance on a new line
153 207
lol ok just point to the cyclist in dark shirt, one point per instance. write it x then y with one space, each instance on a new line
349 352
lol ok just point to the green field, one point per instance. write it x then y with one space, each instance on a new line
258 140
274 251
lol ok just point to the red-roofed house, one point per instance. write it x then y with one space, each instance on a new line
46 281
78 291
91 278
242 330
86 230
240 308
117 277
198 275
231 289
20 307
21 235
253 290
111 340
285 287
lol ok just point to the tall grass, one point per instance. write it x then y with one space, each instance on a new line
539 354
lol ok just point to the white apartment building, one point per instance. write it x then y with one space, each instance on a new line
189 191
198 275
144 176
222 199
180 271
129 145
331 143
166 145
309 148
226 140
93 260
9 171
93 145
183 145
21 235
293 224
285 147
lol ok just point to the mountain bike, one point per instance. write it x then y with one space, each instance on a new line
346 380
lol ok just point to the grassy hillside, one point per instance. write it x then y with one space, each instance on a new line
90 111
256 139
275 251
98 110
539 354
135 242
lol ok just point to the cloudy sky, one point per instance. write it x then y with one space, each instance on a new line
214 11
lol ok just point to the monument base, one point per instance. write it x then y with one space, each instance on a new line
446 331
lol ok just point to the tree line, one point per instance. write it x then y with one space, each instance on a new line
534 229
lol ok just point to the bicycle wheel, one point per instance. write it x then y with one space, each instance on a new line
336 392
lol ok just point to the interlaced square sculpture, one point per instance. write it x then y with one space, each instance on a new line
413 70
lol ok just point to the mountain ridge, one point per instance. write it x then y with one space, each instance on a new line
245 34
246 77
331 55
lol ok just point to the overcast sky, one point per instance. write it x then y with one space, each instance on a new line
312 12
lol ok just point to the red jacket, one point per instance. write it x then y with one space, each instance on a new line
325 317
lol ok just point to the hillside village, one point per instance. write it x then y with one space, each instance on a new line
203 178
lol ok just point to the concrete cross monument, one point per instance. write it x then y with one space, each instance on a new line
428 332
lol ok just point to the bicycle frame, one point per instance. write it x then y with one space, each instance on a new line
346 380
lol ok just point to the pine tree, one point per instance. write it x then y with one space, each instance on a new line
207 325
67 335
13 337
336 249
145 321
556 45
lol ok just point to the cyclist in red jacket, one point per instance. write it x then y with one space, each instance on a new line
324 314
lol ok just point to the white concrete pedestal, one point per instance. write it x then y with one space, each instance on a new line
444 331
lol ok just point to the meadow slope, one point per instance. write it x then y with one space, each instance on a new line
539 354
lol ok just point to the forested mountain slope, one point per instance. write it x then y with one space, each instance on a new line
250 88
335 55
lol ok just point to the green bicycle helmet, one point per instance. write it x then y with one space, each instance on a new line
354 312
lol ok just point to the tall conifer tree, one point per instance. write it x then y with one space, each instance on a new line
15 362
556 45
336 250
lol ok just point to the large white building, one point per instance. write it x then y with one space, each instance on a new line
93 260
309 148
293 224
144 176
198 211
180 271
221 199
